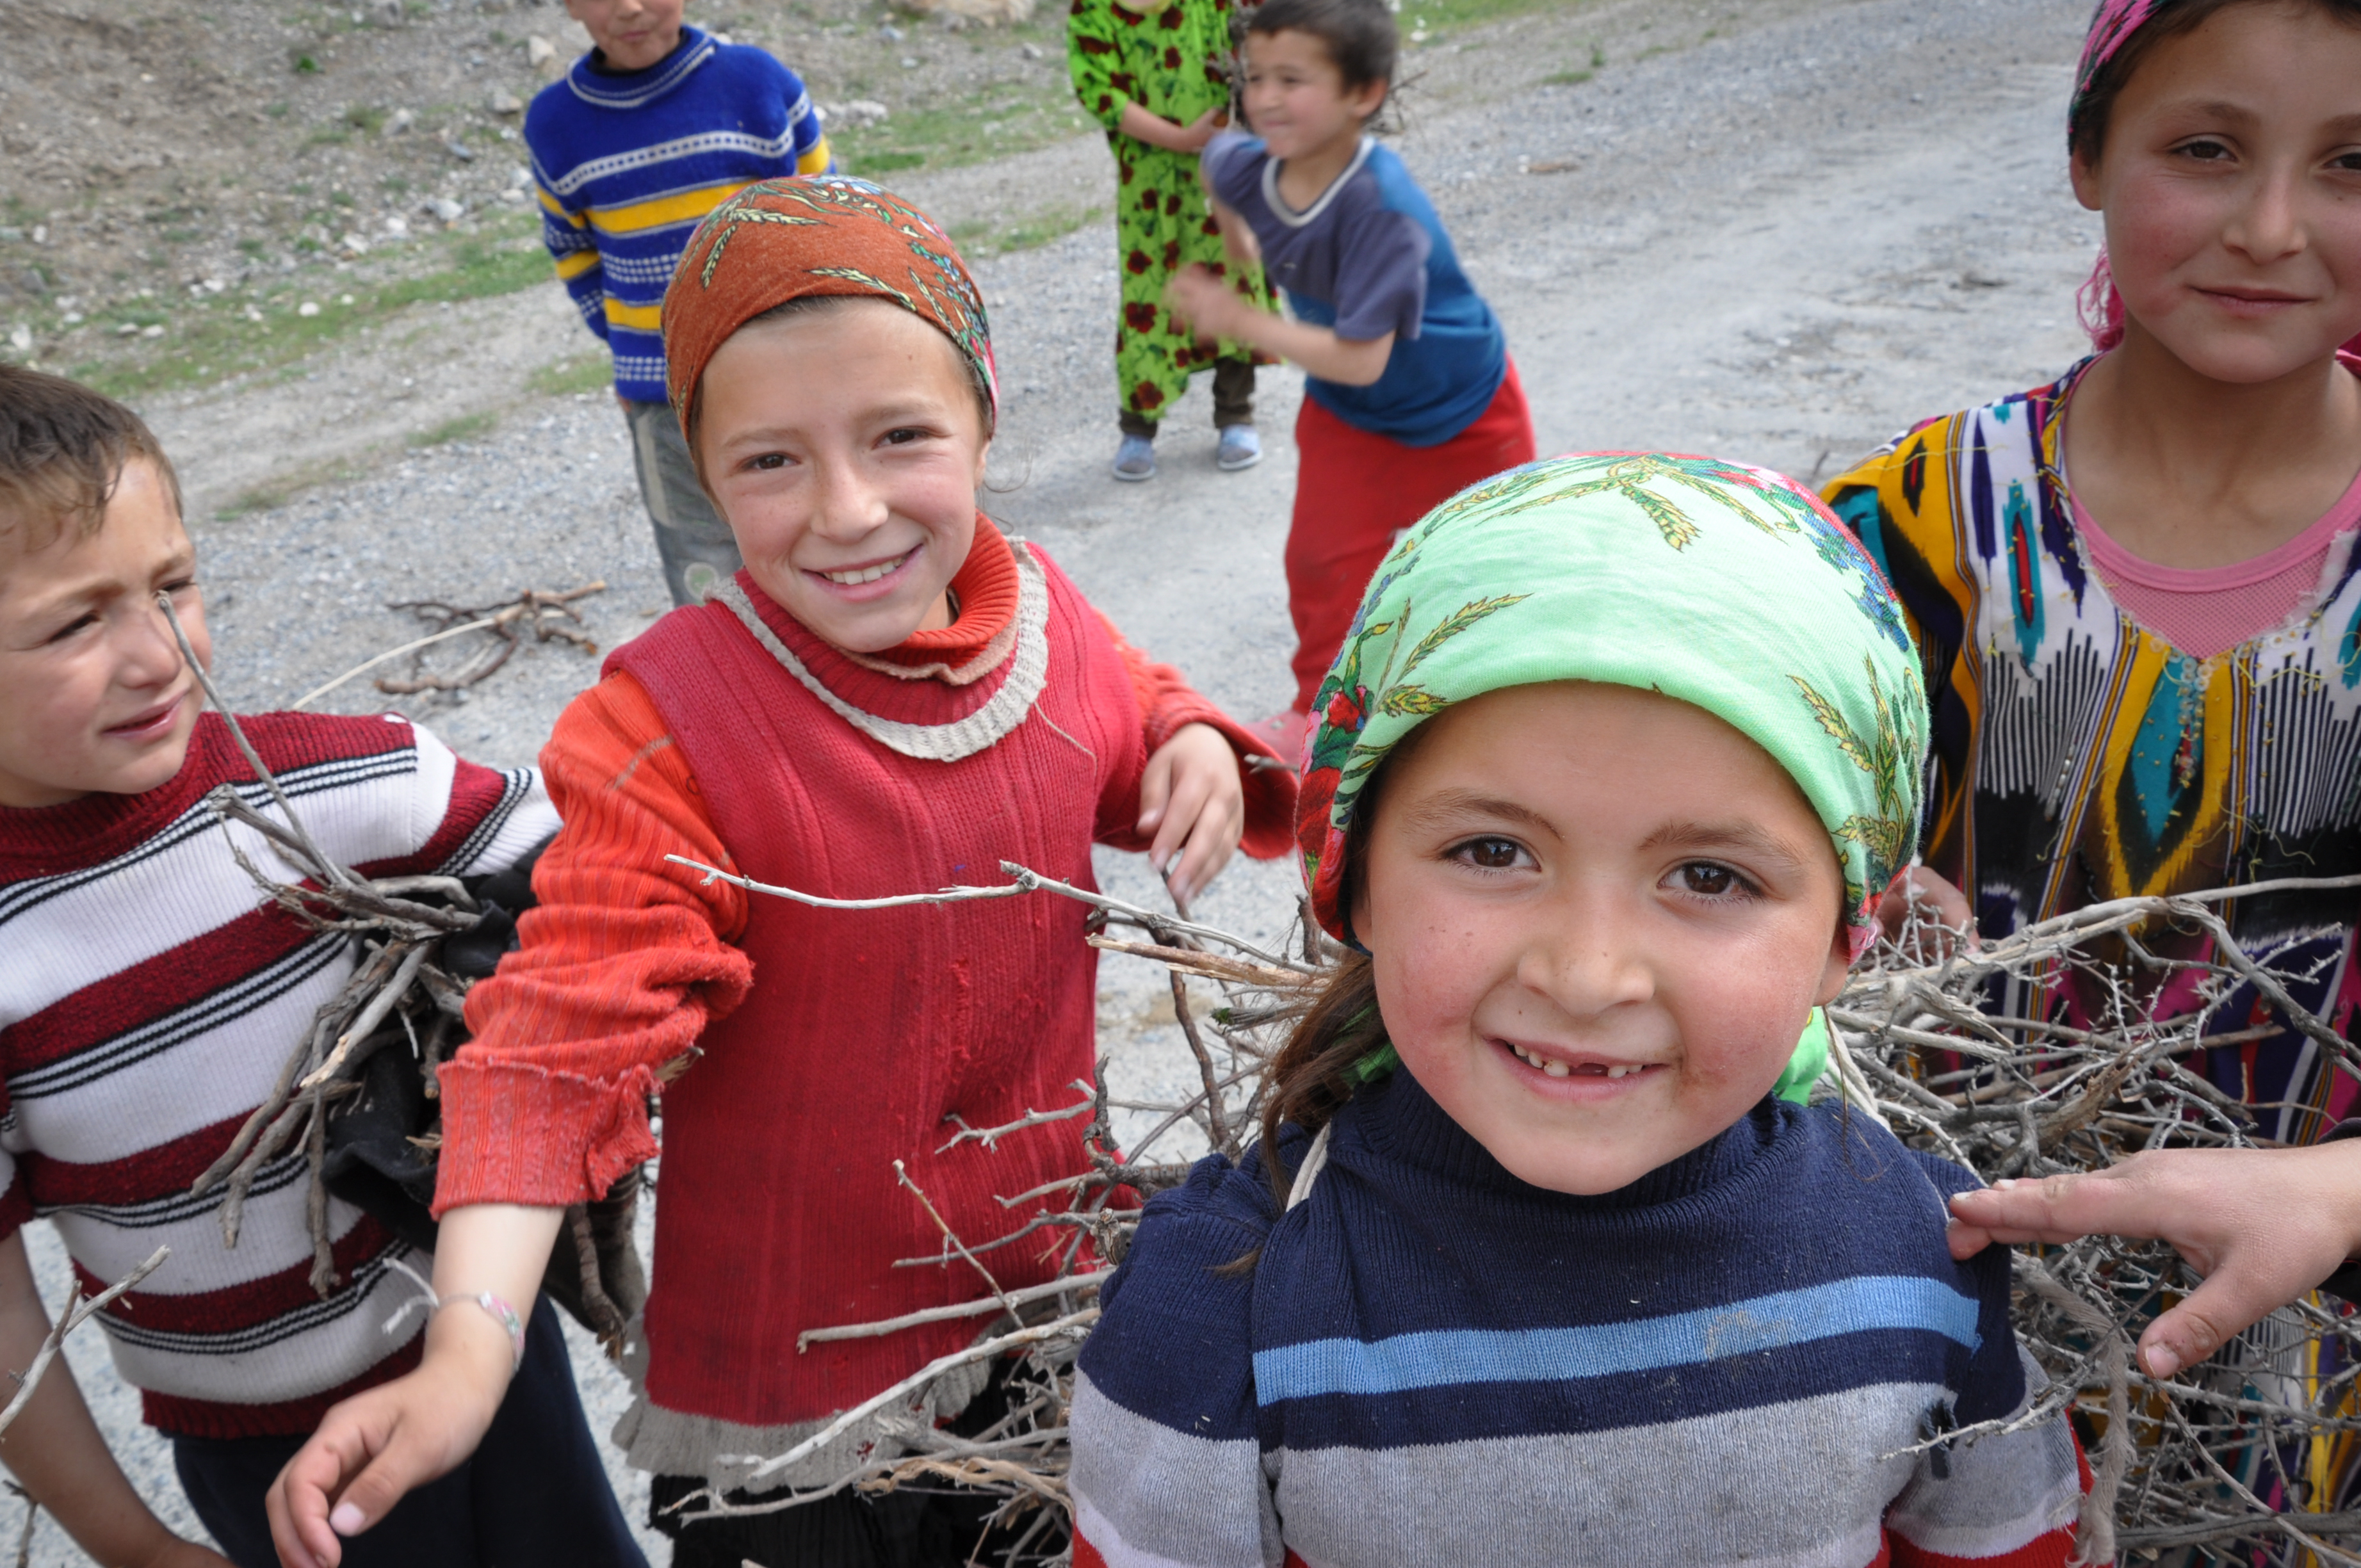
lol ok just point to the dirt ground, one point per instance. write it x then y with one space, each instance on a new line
1777 230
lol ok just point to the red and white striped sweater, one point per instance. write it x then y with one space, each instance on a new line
148 999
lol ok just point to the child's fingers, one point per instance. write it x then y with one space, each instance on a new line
1177 820
2235 1297
299 1501
1155 793
1216 826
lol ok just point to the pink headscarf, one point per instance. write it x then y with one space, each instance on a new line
2112 27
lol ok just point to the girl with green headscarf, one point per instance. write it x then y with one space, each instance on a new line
1531 1264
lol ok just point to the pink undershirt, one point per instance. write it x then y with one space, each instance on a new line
2211 612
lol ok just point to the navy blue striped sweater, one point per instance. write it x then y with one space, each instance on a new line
1434 1362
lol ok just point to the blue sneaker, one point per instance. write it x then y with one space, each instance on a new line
1241 448
1135 459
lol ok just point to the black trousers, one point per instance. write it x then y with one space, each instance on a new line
534 1495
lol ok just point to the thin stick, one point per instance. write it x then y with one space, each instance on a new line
902 1176
366 665
370 1017
916 1380
1213 966
990 1136
336 874
78 1312
1075 1284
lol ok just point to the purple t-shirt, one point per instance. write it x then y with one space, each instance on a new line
1367 258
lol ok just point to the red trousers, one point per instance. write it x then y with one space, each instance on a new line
1356 492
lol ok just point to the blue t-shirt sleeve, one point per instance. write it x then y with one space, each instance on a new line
1381 276
1229 163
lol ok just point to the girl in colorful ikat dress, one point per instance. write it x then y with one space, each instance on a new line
1409 393
2135 589
890 697
1529 1266
1156 75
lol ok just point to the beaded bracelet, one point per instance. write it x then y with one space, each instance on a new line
503 1313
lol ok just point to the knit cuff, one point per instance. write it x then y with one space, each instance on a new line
515 1132
1269 782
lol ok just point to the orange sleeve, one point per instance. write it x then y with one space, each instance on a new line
616 972
1167 703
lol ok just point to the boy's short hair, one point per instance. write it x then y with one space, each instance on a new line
63 450
1360 35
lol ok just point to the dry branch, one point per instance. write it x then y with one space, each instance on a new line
77 1312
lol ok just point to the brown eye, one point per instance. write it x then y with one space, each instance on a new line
1707 880
1492 854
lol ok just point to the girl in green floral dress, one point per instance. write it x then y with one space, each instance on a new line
1157 78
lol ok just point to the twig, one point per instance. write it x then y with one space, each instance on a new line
990 1136
77 1312
902 1175
335 873
1067 1284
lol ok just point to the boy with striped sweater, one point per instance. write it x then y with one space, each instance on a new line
147 998
653 128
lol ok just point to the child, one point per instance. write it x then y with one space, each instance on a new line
892 696
148 1001
2135 589
1529 1265
1157 77
1409 391
649 132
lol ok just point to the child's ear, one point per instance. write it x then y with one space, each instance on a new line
2085 178
1839 966
1367 99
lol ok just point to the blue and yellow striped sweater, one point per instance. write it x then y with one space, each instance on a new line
1729 1361
627 162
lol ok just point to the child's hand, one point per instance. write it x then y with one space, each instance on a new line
371 1450
1192 795
1206 303
2262 1225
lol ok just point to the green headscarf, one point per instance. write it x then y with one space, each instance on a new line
1727 586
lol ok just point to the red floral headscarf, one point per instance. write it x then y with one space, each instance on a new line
820 233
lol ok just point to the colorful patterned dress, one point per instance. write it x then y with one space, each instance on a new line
1172 61
2080 757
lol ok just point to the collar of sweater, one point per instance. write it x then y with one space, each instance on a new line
923 696
604 89
1398 1120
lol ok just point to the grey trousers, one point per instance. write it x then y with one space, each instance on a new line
694 545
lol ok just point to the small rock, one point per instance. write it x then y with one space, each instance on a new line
539 52
151 332
889 32
384 13
355 244
72 318
503 101
215 285
398 123
908 63
21 338
519 178
344 298
129 329
864 112
40 234
308 308
396 226
1030 50
459 150
445 209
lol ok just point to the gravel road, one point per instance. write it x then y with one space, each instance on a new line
1779 244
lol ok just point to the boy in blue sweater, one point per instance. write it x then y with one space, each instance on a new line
657 126
1531 1266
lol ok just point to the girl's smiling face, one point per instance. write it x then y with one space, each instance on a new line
1598 919
844 444
2231 182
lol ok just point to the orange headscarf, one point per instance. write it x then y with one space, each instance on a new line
814 234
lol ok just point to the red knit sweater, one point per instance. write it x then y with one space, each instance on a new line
866 1032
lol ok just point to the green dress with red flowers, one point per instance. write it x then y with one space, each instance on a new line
1172 61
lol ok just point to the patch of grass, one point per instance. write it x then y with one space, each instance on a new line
996 121
1437 16
304 65
1036 229
1567 78
280 488
206 344
466 427
365 117
592 372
